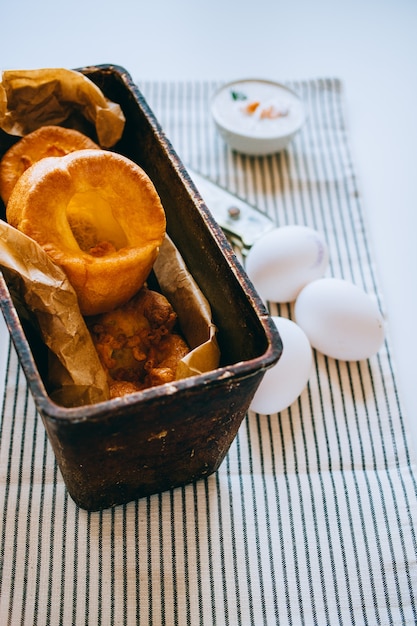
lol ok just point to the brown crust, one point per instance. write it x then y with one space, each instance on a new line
99 217
46 141
137 344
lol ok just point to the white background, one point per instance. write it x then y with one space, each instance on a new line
370 44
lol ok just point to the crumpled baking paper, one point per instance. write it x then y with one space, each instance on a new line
192 308
43 294
33 98
45 297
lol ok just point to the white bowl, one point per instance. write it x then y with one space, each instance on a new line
256 116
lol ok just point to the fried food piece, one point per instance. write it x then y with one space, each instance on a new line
47 141
98 216
119 388
136 343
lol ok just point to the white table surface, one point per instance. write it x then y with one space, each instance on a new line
370 44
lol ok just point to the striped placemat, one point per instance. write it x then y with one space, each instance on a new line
312 517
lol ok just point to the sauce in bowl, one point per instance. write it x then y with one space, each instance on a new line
257 116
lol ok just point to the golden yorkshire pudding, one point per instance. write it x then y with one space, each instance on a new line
99 217
46 141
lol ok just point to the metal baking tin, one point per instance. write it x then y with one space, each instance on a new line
164 437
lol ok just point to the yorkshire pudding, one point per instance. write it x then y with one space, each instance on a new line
46 141
99 217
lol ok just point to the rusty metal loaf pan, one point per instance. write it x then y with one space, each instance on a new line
117 451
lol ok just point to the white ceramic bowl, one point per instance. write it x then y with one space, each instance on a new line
256 116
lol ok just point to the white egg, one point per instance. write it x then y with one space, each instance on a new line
284 381
340 319
284 260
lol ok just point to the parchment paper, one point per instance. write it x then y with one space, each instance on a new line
30 99
51 304
192 308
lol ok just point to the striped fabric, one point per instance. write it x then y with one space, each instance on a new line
312 517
